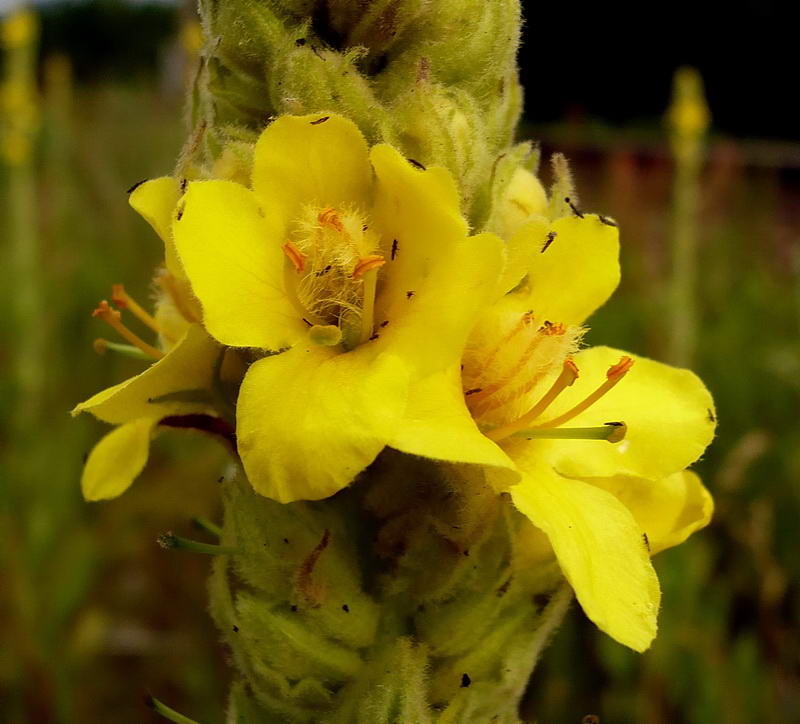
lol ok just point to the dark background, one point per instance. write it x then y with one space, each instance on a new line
601 60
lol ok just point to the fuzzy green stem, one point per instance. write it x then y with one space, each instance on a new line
366 608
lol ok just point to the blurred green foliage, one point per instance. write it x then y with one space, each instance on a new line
93 614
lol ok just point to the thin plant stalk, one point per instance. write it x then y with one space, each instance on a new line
688 119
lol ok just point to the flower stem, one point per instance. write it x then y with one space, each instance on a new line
167 712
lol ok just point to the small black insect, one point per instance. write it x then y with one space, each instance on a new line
550 238
474 390
324 271
646 541
465 681
605 220
307 322
374 336
184 184
394 249
320 120
300 42
235 629
711 416
417 164
409 295
346 608
575 209
384 324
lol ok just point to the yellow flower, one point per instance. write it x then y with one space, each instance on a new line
175 389
524 386
352 269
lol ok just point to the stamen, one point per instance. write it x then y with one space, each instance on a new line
523 322
569 373
101 346
548 330
112 317
611 432
297 257
367 264
123 300
613 376
330 217
552 330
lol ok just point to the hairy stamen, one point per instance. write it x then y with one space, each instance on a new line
123 300
569 373
112 318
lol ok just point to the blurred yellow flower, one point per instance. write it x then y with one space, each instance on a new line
353 270
19 28
523 386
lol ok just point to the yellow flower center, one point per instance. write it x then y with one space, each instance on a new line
502 375
331 274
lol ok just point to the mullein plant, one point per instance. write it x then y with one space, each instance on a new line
371 301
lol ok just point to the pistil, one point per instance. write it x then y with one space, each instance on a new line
610 431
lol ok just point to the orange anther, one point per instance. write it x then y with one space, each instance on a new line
297 257
123 300
330 217
619 369
569 365
112 317
105 312
367 264
552 330
118 296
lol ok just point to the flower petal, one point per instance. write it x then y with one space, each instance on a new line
669 413
436 278
667 510
577 272
303 160
600 549
438 425
187 366
116 461
311 419
155 201
521 249
524 197
233 258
